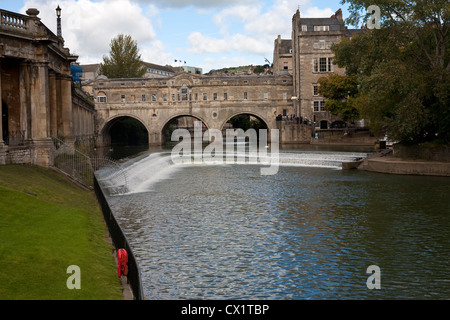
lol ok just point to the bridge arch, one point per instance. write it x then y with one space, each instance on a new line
138 130
262 119
166 130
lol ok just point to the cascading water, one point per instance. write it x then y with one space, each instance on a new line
143 172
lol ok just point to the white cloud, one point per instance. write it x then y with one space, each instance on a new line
194 3
259 24
88 27
238 42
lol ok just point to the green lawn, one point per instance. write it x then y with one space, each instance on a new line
47 224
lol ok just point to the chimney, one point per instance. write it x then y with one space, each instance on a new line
338 15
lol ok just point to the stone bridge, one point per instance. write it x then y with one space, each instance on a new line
214 100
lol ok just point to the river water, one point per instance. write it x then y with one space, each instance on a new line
308 232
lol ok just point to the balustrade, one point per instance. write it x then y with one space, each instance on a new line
14 21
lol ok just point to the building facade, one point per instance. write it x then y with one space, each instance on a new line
308 57
214 100
35 89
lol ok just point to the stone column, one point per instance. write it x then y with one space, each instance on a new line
40 114
2 143
66 109
53 104
25 100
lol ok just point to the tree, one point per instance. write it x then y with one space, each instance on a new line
340 92
124 60
402 69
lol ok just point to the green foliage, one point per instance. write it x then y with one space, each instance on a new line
124 60
340 92
243 121
402 69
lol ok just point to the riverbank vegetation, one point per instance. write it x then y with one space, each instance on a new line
47 224
402 70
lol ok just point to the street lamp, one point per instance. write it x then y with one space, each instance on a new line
58 21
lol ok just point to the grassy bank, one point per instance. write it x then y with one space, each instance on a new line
46 225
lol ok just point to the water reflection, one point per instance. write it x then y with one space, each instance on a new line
225 232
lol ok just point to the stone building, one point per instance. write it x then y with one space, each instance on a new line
308 57
36 90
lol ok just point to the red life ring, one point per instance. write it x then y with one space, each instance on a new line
122 259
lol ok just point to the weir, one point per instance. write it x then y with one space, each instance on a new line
143 172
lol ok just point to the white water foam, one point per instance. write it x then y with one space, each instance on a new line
142 173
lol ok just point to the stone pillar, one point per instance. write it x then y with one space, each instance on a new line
53 104
66 109
2 143
40 115
25 100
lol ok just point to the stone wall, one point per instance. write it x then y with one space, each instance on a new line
440 154
291 132
18 155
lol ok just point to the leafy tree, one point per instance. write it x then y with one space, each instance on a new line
340 92
124 60
402 69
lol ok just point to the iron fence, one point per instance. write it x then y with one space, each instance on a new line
84 168
81 166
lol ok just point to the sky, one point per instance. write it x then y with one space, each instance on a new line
208 34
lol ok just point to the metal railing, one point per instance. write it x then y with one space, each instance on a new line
81 167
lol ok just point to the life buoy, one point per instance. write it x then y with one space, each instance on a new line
122 260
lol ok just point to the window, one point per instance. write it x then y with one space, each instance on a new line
101 99
196 96
122 98
164 97
315 90
184 93
214 96
173 97
322 105
153 97
322 44
284 95
304 28
225 96
205 96
143 98
285 65
266 95
245 95
323 64
321 28
316 106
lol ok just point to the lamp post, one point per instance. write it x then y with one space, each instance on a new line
58 21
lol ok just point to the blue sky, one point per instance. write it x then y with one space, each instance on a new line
209 34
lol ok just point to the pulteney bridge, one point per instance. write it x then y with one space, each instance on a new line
214 100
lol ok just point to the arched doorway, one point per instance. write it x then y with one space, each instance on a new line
323 124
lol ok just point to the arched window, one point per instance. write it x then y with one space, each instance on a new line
101 97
